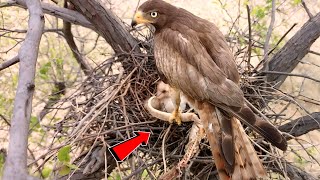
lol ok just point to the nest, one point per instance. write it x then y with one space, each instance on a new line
109 106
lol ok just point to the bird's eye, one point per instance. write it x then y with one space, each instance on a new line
163 91
154 14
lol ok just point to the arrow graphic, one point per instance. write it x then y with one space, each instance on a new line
123 149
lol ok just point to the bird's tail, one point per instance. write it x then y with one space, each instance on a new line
261 126
248 165
234 155
213 131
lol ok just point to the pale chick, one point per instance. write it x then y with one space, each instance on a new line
166 96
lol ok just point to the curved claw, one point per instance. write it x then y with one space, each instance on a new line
176 116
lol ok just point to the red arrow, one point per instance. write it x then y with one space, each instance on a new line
123 149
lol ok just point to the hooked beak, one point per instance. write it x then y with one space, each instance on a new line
139 19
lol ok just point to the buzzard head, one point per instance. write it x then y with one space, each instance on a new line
154 12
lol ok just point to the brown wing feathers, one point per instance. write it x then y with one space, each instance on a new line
193 56
264 128
220 53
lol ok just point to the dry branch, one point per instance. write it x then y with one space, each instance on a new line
16 163
306 9
288 57
294 172
9 63
84 65
302 125
107 24
62 13
291 74
269 33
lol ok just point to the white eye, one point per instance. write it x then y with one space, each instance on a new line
154 14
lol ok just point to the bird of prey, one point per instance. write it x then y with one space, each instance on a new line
193 57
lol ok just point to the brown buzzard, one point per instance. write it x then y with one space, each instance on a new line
192 56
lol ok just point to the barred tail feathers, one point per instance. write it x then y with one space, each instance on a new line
248 164
211 125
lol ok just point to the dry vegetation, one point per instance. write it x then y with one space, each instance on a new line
85 110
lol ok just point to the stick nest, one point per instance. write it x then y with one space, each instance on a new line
109 105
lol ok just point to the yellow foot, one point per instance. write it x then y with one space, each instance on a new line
175 116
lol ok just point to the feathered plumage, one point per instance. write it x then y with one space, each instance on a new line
192 56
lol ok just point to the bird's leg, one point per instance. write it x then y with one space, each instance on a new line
176 114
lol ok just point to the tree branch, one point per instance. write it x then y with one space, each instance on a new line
9 63
292 171
107 24
84 65
16 163
297 173
5 120
269 33
62 13
302 125
291 74
250 39
315 53
7 4
288 57
307 9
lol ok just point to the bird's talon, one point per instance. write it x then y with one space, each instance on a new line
171 119
178 118
175 117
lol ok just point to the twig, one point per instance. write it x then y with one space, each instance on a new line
291 74
313 52
269 33
141 169
5 120
9 63
62 13
281 39
25 31
7 4
163 148
306 9
250 40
